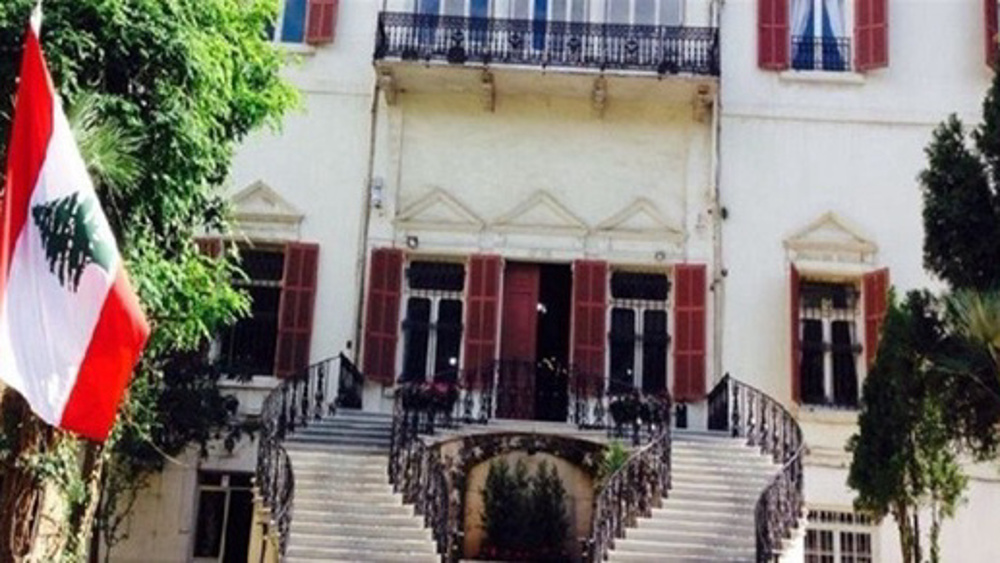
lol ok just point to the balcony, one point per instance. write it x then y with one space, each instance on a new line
831 54
487 41
423 50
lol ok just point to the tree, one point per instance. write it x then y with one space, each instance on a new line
905 455
163 91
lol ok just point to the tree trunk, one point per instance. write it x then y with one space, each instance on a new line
20 496
902 518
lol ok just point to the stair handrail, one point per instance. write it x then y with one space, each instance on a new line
636 487
747 412
295 402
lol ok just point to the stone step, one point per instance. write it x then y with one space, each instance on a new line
358 506
300 515
671 513
708 505
382 449
710 551
742 539
734 525
313 553
316 486
346 440
715 495
383 543
411 530
626 557
347 462
328 478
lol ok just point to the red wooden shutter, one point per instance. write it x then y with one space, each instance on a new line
795 334
871 34
590 303
321 21
876 293
773 41
482 301
991 31
689 332
382 316
295 312
209 246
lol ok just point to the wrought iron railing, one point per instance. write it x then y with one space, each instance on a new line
638 486
821 53
295 402
459 40
747 412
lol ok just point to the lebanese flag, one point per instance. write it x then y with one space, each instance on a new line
71 329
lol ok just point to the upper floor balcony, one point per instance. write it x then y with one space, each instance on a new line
655 49
642 49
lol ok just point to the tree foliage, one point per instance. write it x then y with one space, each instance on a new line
961 200
905 454
159 92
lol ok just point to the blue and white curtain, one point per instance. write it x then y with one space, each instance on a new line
817 28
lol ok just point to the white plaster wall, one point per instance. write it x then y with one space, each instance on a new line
796 145
318 162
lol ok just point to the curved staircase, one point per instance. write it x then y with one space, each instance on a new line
709 514
344 508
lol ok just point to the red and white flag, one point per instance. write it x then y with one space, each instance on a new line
71 329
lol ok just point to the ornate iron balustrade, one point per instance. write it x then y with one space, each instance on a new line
638 486
459 40
749 413
821 53
295 402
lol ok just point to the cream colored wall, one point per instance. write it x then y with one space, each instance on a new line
796 145
579 497
318 163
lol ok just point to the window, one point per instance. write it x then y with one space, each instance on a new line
225 511
645 12
839 537
248 346
829 317
306 21
432 325
638 337
819 35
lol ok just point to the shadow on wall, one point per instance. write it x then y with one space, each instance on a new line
517 503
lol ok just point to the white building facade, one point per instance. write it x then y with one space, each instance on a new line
475 186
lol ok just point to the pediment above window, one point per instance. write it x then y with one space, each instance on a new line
831 238
438 210
258 203
541 213
641 220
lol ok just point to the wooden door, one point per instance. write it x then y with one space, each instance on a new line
518 340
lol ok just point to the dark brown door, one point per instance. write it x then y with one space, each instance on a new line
518 341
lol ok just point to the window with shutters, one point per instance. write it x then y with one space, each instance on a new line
834 536
306 21
829 323
823 35
248 346
638 338
432 320
225 509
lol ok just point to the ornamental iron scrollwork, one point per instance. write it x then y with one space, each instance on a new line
748 413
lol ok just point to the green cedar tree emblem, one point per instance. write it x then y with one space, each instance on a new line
73 237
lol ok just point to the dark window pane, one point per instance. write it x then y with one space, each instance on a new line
241 480
648 287
248 345
208 534
238 526
262 264
845 375
415 330
811 369
449 339
841 296
441 276
209 478
622 349
654 351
